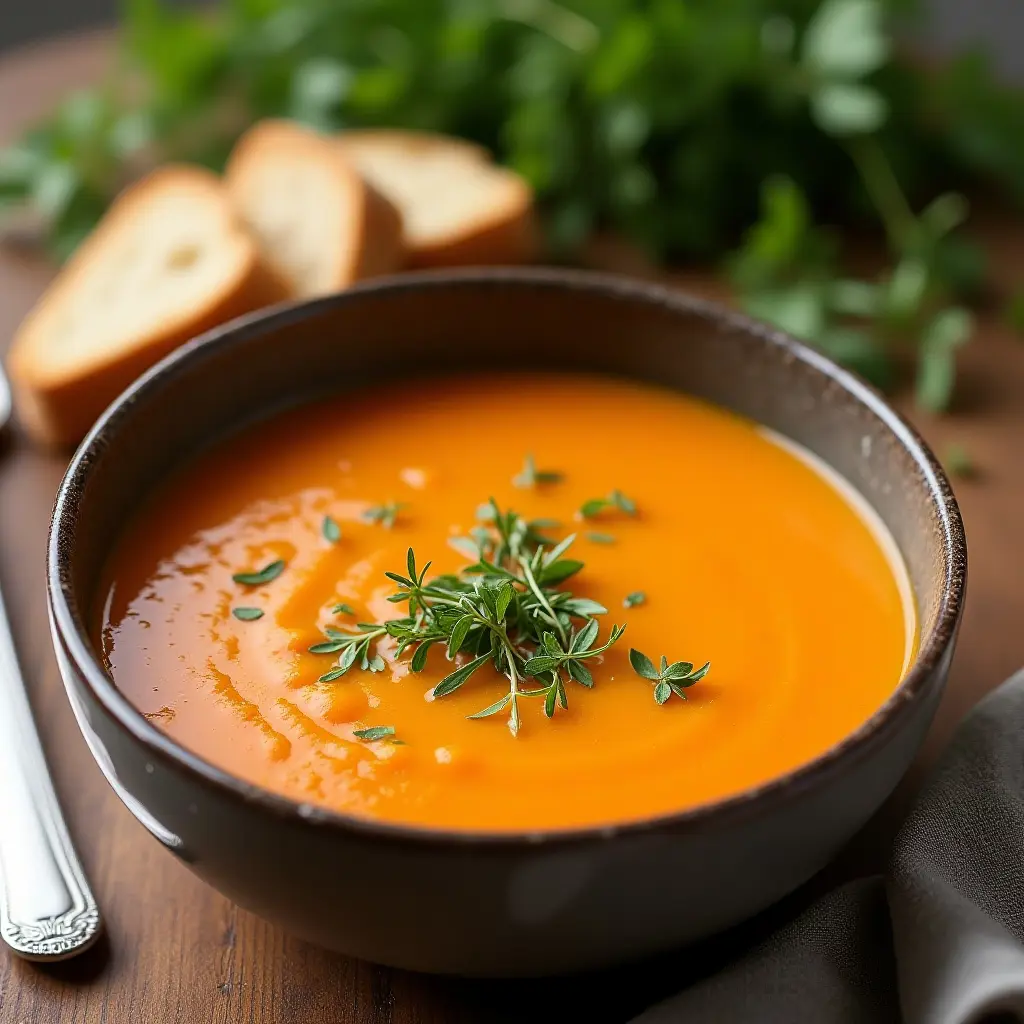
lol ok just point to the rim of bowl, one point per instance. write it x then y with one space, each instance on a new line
71 631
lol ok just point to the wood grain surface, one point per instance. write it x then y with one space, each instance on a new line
176 951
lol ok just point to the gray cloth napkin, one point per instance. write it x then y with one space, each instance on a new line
938 940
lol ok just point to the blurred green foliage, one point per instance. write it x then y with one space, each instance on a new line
677 124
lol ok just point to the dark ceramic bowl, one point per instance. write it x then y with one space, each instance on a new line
487 904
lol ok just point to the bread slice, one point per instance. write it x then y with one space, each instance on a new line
459 207
317 221
168 261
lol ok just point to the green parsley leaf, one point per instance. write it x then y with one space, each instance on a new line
842 108
845 39
936 371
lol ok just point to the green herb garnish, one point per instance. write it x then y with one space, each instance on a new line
936 373
354 647
257 579
866 133
376 732
343 609
1014 312
247 614
505 609
554 659
958 462
385 514
331 530
595 506
529 476
600 538
668 679
638 597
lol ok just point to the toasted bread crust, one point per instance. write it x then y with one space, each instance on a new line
57 402
508 233
383 250
410 142
374 244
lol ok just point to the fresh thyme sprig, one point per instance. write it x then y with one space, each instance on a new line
669 679
351 646
505 608
553 661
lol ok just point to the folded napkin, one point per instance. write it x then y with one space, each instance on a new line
938 940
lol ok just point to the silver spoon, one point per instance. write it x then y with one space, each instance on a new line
47 911
5 400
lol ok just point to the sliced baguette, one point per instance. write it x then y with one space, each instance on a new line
459 207
168 261
319 224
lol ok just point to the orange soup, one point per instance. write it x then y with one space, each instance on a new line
708 539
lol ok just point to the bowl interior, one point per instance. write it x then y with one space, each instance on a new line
526 319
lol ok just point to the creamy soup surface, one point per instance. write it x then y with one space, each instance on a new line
745 554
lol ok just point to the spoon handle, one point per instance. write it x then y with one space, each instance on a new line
5 400
47 911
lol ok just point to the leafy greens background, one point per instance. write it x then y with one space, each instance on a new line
721 131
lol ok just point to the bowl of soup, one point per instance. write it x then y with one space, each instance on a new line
503 622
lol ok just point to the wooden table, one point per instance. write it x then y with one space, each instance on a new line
175 951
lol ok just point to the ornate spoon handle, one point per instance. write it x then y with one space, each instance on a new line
47 911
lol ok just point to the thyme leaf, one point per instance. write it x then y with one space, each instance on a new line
331 530
616 500
385 515
257 579
529 476
375 732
